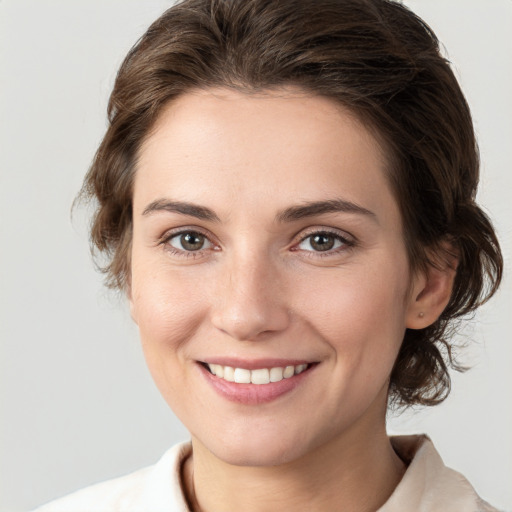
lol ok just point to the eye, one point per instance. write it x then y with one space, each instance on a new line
323 241
189 241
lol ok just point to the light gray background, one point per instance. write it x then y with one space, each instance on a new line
77 404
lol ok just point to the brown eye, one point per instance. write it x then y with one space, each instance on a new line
323 242
189 241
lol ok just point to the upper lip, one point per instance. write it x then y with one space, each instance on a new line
254 364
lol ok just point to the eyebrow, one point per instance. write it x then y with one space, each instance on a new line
312 208
291 214
193 210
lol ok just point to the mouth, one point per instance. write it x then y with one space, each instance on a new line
258 376
255 382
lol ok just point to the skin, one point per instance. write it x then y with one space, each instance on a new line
258 288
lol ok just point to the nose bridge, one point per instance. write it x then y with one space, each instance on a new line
250 297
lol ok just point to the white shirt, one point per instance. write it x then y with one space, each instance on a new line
427 486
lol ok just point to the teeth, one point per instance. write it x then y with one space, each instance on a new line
288 372
276 374
300 368
242 376
259 376
229 374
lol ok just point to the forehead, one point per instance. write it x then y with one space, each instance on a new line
283 146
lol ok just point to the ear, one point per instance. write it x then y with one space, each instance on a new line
432 289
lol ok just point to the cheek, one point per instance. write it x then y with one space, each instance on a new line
360 313
167 316
168 309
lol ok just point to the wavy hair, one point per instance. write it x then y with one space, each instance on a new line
375 57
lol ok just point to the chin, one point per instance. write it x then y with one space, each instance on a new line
259 447
258 455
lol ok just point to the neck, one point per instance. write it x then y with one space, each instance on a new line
357 471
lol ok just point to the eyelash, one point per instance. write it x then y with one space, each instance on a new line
347 243
165 241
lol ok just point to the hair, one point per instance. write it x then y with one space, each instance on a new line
376 58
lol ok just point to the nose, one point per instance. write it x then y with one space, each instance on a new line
251 301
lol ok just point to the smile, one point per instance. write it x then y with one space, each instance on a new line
255 382
257 376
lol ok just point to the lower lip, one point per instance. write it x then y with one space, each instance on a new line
253 394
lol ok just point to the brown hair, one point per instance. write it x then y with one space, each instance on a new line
373 56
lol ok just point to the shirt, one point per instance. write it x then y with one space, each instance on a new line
427 486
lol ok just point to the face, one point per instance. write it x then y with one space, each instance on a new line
269 275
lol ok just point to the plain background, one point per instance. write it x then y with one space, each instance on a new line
77 402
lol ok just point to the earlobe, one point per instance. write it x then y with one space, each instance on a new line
430 295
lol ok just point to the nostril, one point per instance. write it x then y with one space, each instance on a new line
251 322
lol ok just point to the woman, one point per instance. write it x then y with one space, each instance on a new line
286 194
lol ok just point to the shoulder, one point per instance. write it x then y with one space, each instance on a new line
156 488
428 484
